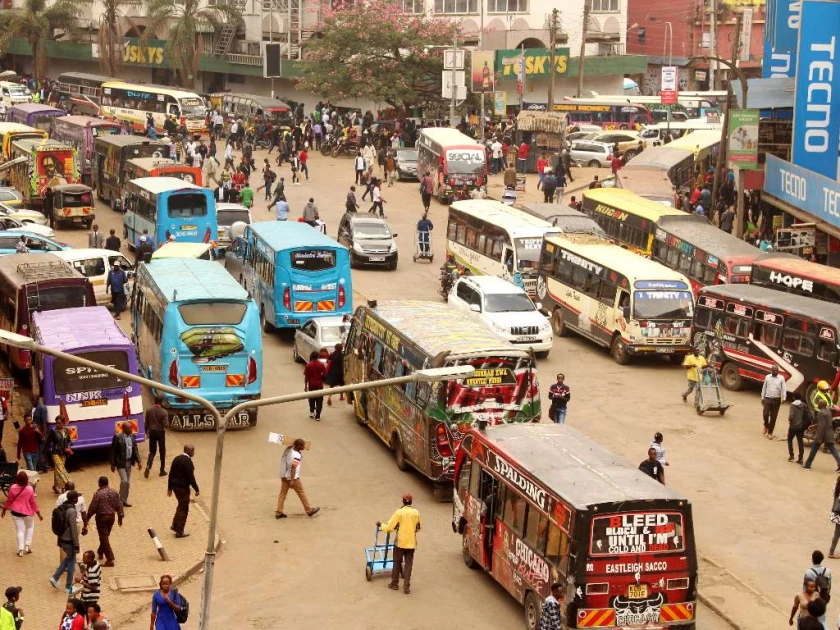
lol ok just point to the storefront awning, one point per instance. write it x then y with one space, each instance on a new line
766 93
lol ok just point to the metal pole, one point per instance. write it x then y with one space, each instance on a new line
452 121
713 46
552 68
583 47
483 117
721 161
669 28
271 35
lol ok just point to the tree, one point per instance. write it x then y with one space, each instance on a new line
36 23
110 41
184 22
374 50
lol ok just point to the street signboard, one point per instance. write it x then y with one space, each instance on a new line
801 188
455 56
668 91
742 125
446 84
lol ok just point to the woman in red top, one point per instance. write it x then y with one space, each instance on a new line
314 375
71 619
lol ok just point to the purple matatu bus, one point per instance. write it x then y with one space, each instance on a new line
96 403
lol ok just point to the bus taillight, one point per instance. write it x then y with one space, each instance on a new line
252 370
173 373
206 238
342 296
442 441
287 299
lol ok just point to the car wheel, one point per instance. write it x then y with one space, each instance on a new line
594 164
629 155
542 355
295 355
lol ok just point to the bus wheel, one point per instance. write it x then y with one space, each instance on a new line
730 378
558 324
532 611
465 552
619 351
361 409
810 390
399 454
266 325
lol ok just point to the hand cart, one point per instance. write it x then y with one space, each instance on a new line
709 394
423 246
380 557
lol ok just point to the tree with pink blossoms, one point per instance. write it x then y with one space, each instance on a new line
373 50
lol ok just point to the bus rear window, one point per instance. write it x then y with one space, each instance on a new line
637 532
313 259
69 378
53 298
205 313
187 205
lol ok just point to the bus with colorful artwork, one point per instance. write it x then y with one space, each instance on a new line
95 403
789 273
43 164
294 272
15 131
424 423
34 115
111 154
32 283
81 132
197 329
537 504
136 168
131 103
170 209
627 115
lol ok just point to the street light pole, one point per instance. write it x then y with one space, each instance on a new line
670 40
454 77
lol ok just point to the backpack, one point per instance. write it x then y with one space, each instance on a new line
182 615
823 585
59 519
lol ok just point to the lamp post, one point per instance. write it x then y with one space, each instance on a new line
425 376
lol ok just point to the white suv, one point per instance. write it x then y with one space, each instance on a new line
507 309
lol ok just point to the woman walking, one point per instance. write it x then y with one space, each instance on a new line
801 600
22 504
58 446
72 619
165 603
335 371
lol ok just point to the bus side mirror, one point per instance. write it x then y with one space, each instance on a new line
625 312
475 308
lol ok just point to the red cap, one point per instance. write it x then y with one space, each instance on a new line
407 498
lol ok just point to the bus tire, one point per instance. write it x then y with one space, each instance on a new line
465 552
267 326
360 409
730 378
557 323
809 391
533 611
619 351
399 454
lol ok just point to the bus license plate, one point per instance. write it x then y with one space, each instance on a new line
96 402
637 591
664 351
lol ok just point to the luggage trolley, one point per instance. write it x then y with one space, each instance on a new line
423 248
709 397
380 557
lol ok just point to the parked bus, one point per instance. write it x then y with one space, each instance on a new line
606 114
37 282
15 131
789 273
130 103
658 111
13 93
170 209
34 115
745 330
703 252
44 164
704 145
619 300
250 107
160 167
678 129
79 92
424 423
456 163
694 104
111 155
491 238
538 504
197 328
561 217
294 272
628 220
96 404
81 132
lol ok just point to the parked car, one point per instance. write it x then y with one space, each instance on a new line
227 214
369 239
35 243
406 162
10 196
590 153
13 225
24 215
507 309
628 141
94 265
318 333
577 135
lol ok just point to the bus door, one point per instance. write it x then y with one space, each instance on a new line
488 494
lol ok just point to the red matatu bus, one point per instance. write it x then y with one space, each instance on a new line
789 273
541 503
703 252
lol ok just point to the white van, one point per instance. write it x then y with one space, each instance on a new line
94 265
14 93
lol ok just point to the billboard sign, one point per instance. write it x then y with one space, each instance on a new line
813 193
743 139
537 62
668 92
482 71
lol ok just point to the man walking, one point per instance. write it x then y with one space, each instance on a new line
427 189
406 522
113 241
90 579
424 229
652 467
820 574
105 508
124 455
798 420
96 239
156 420
693 363
81 507
314 374
559 394
29 440
824 435
67 533
181 479
552 614
773 394
115 284
290 465
359 166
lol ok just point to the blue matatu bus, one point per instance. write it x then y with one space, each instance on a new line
293 271
196 328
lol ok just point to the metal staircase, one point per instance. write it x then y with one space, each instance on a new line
228 32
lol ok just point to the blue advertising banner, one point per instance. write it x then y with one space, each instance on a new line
777 63
816 115
783 24
813 193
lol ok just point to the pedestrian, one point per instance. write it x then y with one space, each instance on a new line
800 602
246 196
310 213
693 364
115 284
595 183
90 579
377 199
542 165
359 167
81 507
559 394
799 417
145 249
427 188
424 230
105 508
652 467
96 620
773 394
72 619
548 182
390 168
181 479
7 620
824 435
29 442
124 455
522 157
656 445
290 466
727 220
561 186
113 241
406 522
10 606
22 503
294 163
96 239
551 617
835 518
303 159
156 420
58 447
820 574
566 161
282 208
335 371
496 155
314 374
165 604
67 533
350 204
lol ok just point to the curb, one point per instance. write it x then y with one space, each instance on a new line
718 611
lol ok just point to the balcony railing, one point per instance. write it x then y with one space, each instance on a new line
245 60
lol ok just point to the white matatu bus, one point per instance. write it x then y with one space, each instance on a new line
490 238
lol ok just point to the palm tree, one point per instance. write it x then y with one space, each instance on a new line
185 22
110 41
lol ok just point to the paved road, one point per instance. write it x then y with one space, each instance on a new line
756 517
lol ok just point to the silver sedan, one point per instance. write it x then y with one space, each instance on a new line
323 332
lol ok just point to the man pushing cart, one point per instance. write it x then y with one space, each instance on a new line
424 239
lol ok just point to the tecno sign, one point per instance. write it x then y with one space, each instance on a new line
792 282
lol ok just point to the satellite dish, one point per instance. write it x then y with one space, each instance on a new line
237 229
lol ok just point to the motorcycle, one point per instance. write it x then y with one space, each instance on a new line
447 281
328 144
346 147
811 431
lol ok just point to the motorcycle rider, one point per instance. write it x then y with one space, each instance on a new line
823 393
448 275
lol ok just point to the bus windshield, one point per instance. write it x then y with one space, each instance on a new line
203 313
52 298
69 378
528 252
465 161
633 533
19 90
499 383
313 259
508 303
663 305
187 205
192 107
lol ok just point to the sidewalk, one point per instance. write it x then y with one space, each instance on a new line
127 587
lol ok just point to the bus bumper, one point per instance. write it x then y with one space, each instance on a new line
664 350
185 416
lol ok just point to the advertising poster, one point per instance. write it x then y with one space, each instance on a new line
499 103
482 75
743 139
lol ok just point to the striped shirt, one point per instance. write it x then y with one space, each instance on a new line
91 582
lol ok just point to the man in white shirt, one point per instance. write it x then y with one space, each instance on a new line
773 394
290 467
496 151
359 166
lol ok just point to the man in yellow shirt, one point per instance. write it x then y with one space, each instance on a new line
693 363
406 522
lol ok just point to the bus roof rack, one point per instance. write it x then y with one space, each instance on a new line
43 270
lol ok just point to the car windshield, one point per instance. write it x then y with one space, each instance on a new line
528 252
409 155
229 217
371 231
333 334
663 305
508 303
17 90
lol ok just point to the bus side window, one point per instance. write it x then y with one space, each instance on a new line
508 262
608 291
624 303
708 275
768 334
660 251
378 362
557 547
464 476
827 351
737 326
452 230
536 529
798 343
702 318
475 476
514 513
